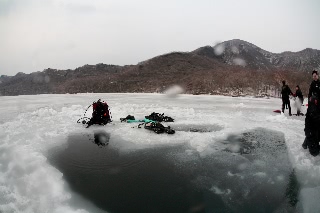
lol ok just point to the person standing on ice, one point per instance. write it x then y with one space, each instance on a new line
285 92
312 121
315 85
299 102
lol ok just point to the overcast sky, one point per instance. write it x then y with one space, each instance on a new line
65 34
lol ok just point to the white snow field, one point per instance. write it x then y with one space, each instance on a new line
32 125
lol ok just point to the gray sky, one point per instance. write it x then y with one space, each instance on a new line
65 34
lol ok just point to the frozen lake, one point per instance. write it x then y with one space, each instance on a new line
227 155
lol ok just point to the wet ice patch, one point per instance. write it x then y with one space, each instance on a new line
260 174
280 178
246 164
235 175
243 166
197 127
310 199
259 163
218 191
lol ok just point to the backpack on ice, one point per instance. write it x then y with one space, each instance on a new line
101 114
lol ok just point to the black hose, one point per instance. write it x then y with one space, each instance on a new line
84 118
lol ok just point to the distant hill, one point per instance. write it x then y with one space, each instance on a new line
232 67
238 52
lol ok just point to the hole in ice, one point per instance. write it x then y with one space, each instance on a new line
176 178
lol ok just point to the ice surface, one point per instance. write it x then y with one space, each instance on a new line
30 126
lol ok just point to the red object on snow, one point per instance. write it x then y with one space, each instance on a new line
277 111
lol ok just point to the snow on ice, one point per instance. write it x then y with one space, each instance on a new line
30 126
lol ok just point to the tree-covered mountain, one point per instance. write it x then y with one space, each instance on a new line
231 67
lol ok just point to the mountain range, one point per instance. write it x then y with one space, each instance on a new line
231 67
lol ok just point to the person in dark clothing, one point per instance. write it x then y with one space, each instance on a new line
285 92
315 85
299 102
312 121
100 114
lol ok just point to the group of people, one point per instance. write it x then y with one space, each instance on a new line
312 120
285 93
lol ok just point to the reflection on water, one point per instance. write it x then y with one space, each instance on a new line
101 138
250 172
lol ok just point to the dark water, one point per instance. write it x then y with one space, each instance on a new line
250 172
